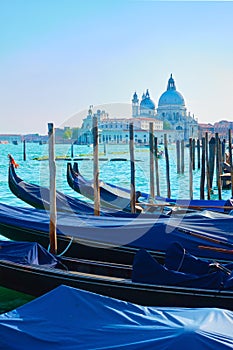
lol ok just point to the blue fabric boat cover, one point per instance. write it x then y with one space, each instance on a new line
206 229
26 253
203 203
178 259
146 269
72 319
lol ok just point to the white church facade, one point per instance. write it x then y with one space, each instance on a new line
170 118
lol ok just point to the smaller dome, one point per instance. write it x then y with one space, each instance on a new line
146 102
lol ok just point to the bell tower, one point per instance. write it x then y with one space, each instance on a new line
135 105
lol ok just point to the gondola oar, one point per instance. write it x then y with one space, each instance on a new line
220 250
205 238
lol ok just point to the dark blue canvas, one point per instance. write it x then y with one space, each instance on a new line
178 259
147 270
26 253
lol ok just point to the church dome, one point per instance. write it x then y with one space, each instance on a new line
146 101
171 96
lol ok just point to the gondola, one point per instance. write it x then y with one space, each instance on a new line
109 192
110 196
30 269
38 197
206 234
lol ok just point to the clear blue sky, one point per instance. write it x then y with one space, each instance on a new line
60 56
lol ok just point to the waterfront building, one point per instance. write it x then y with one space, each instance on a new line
169 118
204 128
116 130
11 138
222 128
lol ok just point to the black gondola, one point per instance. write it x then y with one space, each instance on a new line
110 196
39 277
113 195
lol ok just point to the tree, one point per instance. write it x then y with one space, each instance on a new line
166 125
67 134
75 133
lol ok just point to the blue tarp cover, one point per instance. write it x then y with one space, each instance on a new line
147 270
71 319
191 231
26 253
178 259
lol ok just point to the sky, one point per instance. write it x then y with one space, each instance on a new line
58 57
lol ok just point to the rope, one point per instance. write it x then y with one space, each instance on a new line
182 260
68 246
65 250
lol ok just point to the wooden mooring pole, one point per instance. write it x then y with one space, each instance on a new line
223 150
52 192
96 167
152 161
178 156
203 162
193 152
182 156
24 150
167 167
230 159
212 150
132 169
156 167
218 165
190 168
198 154
207 166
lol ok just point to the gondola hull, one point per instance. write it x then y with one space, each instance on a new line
37 281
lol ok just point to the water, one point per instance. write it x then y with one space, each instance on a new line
118 173
10 299
114 172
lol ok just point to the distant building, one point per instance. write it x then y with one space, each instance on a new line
116 130
35 138
170 117
10 138
204 128
171 111
222 128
